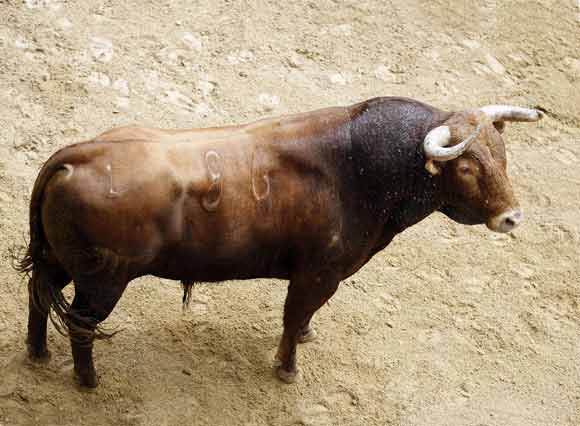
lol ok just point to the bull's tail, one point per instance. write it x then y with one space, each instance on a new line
36 245
43 293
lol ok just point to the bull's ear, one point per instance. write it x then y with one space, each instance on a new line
499 126
433 167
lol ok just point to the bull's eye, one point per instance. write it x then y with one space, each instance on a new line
464 169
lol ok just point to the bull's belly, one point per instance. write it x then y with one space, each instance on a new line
206 265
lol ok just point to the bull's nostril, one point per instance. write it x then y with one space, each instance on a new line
510 222
506 221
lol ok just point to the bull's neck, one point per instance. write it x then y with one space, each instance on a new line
389 163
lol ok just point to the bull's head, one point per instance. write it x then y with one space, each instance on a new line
469 153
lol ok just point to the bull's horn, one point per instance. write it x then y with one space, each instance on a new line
511 113
436 141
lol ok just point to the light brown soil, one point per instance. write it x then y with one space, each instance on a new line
450 325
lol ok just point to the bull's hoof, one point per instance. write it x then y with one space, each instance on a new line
38 356
309 335
286 376
86 380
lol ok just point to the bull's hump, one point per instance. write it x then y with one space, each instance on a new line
309 124
301 123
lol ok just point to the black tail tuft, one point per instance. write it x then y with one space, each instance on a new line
31 261
23 257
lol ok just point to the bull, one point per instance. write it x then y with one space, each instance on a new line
308 198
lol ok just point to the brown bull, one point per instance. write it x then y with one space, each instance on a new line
309 198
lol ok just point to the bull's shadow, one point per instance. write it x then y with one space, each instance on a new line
164 366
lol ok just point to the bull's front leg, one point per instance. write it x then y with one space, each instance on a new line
306 294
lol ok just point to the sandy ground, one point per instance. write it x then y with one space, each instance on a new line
450 325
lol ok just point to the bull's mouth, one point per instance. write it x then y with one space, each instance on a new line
463 216
502 223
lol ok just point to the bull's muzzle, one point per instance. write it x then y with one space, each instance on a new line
507 221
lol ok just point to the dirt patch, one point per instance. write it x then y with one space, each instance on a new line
450 325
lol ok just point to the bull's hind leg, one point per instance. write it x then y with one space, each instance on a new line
306 294
91 305
55 279
307 333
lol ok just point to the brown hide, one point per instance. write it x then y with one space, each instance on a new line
200 199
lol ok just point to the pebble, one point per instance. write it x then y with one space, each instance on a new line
520 59
170 56
64 23
268 102
206 87
176 98
192 41
241 57
122 103
572 66
481 69
383 73
295 61
101 49
122 86
471 44
494 64
99 79
202 109
343 29
37 4
5 198
338 79
316 414
524 271
21 43
151 81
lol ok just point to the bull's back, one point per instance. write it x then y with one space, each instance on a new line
222 196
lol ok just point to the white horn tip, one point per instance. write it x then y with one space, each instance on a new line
532 114
512 113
